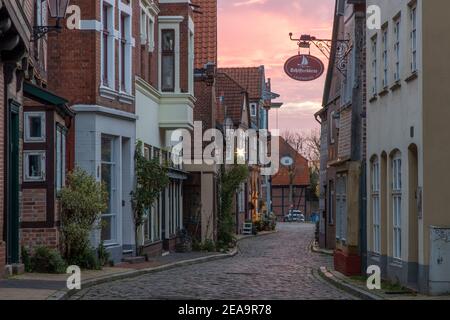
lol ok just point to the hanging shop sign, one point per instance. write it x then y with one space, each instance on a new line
304 67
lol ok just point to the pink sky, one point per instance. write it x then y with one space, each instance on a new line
256 32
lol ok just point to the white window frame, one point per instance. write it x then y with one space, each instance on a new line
397 48
60 163
376 206
397 205
413 37
37 114
111 65
385 56
374 43
126 35
253 109
168 23
26 165
114 214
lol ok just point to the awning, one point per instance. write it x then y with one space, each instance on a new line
177 174
46 97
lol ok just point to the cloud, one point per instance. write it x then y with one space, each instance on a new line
249 2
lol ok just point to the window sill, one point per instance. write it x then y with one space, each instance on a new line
397 263
111 245
412 76
373 98
108 93
383 92
397 85
125 97
149 243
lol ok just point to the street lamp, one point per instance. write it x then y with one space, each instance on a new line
57 10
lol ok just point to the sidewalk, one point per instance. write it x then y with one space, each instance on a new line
356 286
36 286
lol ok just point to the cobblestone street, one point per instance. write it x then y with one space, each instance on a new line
277 266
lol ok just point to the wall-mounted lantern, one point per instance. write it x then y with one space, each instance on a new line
57 10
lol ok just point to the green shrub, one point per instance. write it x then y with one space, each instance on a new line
26 259
103 255
47 260
209 246
88 259
83 200
196 245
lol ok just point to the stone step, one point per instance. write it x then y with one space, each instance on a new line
134 260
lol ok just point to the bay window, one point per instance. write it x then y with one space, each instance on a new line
168 60
60 165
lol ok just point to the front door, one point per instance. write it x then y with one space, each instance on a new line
12 218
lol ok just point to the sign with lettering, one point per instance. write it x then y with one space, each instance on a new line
304 67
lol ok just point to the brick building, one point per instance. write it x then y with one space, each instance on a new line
296 175
34 124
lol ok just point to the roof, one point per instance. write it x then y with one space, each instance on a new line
233 98
301 167
250 78
205 33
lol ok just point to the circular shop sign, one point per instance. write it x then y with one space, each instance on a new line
304 67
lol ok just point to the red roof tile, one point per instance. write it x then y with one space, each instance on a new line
250 78
233 99
205 32
301 167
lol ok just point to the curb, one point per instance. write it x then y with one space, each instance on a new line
340 284
318 250
64 294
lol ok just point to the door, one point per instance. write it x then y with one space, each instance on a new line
12 218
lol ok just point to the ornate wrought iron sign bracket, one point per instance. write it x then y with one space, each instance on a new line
343 49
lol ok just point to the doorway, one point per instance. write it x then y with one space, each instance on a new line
12 202
414 208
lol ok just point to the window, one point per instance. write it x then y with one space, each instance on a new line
374 65
253 109
331 126
151 34
397 204
144 26
241 198
34 126
108 178
168 60
107 45
60 165
376 206
125 53
385 57
413 37
397 49
341 207
330 202
34 166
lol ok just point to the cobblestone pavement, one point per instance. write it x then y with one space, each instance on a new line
277 266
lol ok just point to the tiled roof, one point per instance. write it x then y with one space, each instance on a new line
205 32
301 167
233 99
251 79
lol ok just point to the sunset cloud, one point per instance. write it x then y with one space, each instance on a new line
253 35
